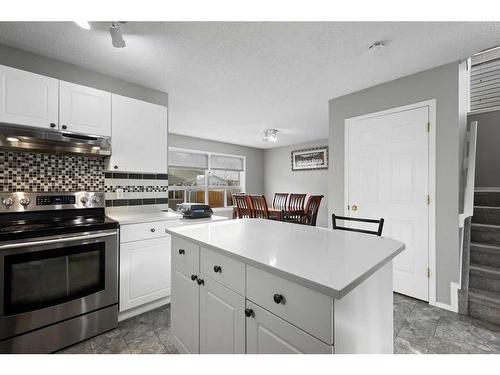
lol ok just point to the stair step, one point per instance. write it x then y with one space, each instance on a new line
487 198
488 255
484 305
485 278
485 233
486 215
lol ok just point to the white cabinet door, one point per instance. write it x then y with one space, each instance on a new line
222 319
84 110
139 136
28 99
144 271
185 313
268 334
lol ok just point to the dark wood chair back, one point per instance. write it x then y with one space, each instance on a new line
259 206
243 206
296 202
377 232
279 201
312 208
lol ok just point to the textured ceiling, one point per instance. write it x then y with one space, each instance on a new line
229 81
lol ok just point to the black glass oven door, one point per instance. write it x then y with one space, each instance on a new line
42 279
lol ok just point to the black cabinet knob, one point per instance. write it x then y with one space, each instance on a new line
278 298
200 281
181 251
115 167
153 230
248 313
217 269
64 127
52 125
194 277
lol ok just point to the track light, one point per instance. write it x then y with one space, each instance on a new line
116 35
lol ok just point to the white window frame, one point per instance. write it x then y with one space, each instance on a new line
208 187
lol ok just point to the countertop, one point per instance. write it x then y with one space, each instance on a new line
125 218
333 262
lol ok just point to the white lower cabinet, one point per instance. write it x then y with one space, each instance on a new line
144 271
222 319
268 334
185 313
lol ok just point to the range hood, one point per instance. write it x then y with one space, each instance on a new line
17 138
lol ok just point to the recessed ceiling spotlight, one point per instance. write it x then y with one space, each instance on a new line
12 139
270 135
376 47
83 24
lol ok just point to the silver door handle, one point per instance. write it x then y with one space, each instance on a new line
56 240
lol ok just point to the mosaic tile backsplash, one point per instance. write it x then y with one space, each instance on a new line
37 172
138 189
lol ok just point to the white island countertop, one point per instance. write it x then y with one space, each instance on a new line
333 262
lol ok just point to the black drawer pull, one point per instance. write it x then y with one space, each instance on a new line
278 298
181 251
217 269
248 313
153 230
201 281
194 277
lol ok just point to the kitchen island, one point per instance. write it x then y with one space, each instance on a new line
262 286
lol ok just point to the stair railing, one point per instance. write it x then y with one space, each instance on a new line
464 219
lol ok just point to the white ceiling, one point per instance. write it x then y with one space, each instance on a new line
229 81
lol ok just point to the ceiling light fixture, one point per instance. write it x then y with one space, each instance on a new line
12 139
116 35
271 135
83 24
376 47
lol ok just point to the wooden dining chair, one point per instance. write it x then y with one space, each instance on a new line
259 206
279 201
377 232
311 211
243 206
296 202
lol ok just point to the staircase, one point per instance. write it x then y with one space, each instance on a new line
484 268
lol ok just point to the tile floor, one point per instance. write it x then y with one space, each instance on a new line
418 328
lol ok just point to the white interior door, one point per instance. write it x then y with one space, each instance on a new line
388 176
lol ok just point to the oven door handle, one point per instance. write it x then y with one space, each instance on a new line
56 240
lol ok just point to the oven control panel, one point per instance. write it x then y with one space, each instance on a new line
22 201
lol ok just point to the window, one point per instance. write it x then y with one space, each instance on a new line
485 81
204 177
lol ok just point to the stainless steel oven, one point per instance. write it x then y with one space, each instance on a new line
57 289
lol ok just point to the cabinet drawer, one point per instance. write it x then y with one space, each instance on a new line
268 334
185 256
143 231
227 271
301 306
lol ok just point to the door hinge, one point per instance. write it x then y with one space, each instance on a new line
428 273
428 199
428 127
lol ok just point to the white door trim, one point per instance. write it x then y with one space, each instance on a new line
431 104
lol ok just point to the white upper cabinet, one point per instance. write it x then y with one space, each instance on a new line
139 136
28 99
84 110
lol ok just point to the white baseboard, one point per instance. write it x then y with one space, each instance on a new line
453 306
124 315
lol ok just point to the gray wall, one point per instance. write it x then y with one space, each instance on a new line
488 150
39 64
279 177
441 83
254 157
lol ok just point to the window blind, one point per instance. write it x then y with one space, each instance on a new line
231 163
485 85
187 159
